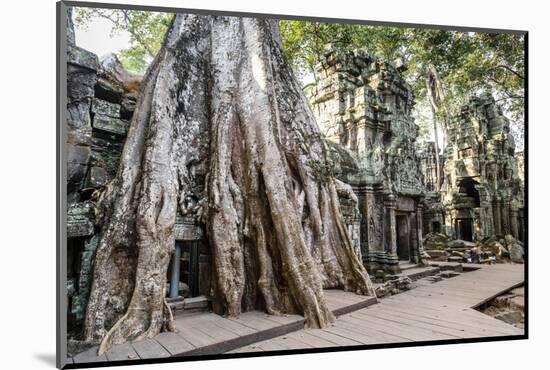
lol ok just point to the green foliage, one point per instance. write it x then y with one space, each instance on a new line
466 61
146 30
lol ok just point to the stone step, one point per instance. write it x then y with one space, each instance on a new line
421 272
188 306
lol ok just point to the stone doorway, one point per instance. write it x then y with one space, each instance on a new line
403 237
185 268
464 229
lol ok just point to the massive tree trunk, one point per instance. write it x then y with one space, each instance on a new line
436 95
220 95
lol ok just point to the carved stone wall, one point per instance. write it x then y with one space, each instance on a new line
363 106
482 193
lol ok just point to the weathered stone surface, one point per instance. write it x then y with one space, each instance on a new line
110 125
85 277
187 228
77 164
97 177
482 188
516 253
108 90
105 108
78 220
106 151
83 58
363 107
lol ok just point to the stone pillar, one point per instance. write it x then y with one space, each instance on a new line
392 260
419 232
505 228
175 275
514 220
496 218
413 238
390 206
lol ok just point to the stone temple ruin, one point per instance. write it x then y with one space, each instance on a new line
482 190
364 108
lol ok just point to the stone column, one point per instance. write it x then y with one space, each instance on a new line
413 238
505 228
392 259
496 218
390 206
175 275
419 231
514 220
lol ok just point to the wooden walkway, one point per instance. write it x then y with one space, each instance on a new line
432 311
208 333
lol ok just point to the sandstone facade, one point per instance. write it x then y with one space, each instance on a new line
482 193
363 106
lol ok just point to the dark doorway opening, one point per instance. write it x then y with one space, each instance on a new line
192 269
436 227
403 237
464 229
468 187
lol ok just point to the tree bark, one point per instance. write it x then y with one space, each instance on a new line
219 95
436 95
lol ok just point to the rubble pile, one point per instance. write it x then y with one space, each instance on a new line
394 285
488 250
508 307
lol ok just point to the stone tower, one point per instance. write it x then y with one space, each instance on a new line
482 193
363 106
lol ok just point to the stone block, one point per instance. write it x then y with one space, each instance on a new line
108 90
105 108
78 220
83 58
110 125
97 177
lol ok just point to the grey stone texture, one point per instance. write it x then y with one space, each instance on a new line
363 106
482 194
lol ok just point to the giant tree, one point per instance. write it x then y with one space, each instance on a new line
220 92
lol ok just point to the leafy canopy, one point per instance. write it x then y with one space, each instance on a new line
146 30
466 62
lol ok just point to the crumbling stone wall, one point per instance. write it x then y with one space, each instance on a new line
101 99
363 107
482 193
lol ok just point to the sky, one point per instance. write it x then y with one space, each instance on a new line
97 37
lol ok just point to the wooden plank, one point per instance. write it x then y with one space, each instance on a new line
174 343
457 320
338 340
352 335
435 325
90 355
353 323
255 320
312 340
288 342
122 352
196 337
150 348
408 331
